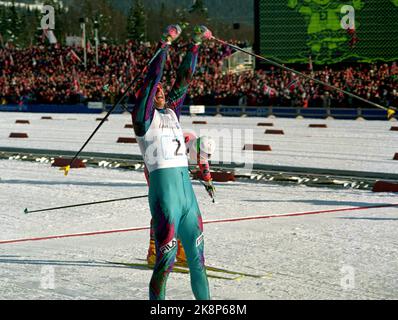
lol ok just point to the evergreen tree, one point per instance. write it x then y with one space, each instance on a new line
38 33
137 22
182 16
3 22
199 8
162 11
14 24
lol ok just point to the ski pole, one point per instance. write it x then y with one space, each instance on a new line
209 193
67 168
203 184
26 211
390 111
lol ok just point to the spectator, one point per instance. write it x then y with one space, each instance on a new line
40 74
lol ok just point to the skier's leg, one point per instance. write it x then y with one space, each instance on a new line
166 199
166 249
191 234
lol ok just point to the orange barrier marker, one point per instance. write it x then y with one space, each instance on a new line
257 147
127 140
63 162
383 186
218 176
274 132
18 135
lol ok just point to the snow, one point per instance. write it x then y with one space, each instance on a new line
349 145
305 257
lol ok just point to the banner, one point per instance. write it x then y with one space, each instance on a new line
328 31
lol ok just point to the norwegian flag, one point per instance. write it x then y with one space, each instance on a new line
293 85
89 47
76 83
74 56
268 90
349 77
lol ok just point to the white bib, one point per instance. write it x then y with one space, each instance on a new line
163 145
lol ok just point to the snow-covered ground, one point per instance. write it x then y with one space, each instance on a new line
342 255
349 145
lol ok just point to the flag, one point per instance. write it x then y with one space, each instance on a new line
11 60
268 90
74 56
89 47
310 66
293 85
76 83
349 77
61 60
132 59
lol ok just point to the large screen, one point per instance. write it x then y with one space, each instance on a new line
328 31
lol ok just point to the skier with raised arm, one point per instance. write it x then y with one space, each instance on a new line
174 208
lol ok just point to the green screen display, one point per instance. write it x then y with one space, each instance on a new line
291 31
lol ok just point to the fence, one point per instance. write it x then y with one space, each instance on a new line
228 111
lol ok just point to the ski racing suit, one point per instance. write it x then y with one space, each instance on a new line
191 142
174 208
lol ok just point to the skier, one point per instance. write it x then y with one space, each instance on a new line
174 208
199 151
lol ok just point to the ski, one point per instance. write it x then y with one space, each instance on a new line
181 270
221 270
243 274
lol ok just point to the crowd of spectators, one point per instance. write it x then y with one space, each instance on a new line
56 75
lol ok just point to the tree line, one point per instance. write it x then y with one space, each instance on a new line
20 25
